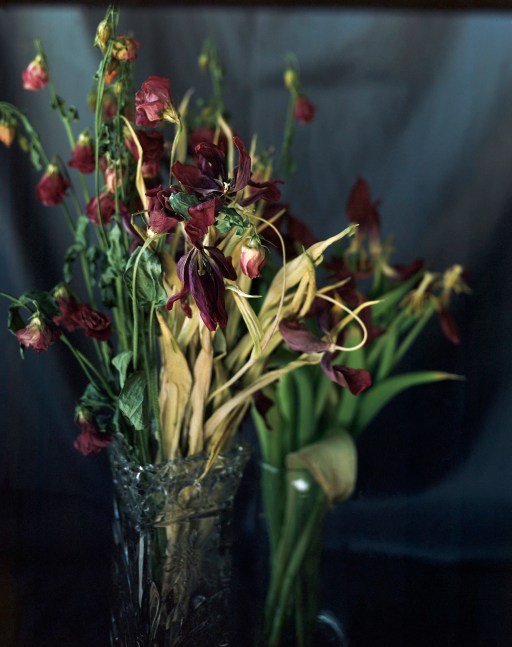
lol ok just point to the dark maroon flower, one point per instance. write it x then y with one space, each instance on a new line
300 339
210 177
202 272
152 143
83 155
95 324
356 380
35 76
68 306
304 110
51 188
252 259
153 102
38 335
205 135
361 210
107 204
124 48
91 440
162 218
406 271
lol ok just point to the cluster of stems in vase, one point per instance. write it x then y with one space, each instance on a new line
178 349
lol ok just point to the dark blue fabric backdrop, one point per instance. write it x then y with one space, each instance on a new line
418 103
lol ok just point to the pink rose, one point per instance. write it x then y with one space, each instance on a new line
252 259
91 440
96 324
51 188
37 335
35 76
153 102
304 110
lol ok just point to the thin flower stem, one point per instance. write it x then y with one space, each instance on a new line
88 368
134 302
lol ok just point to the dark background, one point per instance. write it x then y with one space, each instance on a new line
419 103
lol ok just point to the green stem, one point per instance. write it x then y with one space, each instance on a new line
88 368
174 147
134 303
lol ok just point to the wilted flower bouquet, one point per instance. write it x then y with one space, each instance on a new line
177 349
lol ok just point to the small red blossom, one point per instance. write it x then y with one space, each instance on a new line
304 110
95 324
124 48
7 132
252 259
35 76
356 380
107 206
83 155
51 188
38 335
91 440
153 102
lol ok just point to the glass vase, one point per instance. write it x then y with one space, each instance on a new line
172 549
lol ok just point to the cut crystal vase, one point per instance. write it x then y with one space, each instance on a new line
172 549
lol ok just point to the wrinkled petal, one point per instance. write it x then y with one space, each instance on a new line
243 170
299 338
361 210
264 191
193 179
215 158
201 217
182 271
356 380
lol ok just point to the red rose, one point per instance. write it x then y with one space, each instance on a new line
96 324
252 259
83 155
153 102
91 440
35 77
304 110
37 335
107 203
51 188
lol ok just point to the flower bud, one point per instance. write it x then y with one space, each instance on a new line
125 48
111 71
304 110
103 32
91 440
7 132
37 335
252 258
203 62
83 159
291 79
51 188
35 76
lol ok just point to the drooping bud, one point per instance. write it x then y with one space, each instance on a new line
7 131
91 440
304 110
252 258
113 178
111 71
291 79
37 334
51 188
83 155
35 76
67 305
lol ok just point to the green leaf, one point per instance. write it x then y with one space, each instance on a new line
180 203
148 282
116 254
122 363
94 398
132 400
43 302
376 398
390 300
